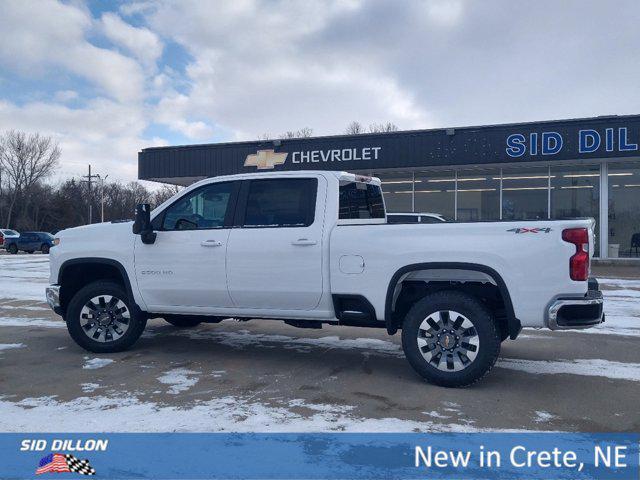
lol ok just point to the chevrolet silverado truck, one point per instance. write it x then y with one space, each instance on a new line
313 248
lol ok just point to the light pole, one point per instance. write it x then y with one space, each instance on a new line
102 196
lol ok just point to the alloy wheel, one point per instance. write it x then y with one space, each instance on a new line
105 318
448 340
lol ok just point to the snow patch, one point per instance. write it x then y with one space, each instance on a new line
30 322
226 414
586 367
180 379
543 417
7 346
26 307
92 364
244 338
89 387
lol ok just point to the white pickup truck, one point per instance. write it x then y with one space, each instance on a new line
314 248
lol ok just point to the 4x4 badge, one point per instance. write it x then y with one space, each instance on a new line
530 230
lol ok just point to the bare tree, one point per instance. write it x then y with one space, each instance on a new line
25 159
164 193
383 127
304 132
354 128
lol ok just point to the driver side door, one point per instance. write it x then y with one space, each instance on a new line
185 267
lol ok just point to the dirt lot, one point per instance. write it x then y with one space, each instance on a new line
266 376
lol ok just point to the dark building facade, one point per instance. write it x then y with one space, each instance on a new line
552 169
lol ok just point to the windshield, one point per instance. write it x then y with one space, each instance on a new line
9 232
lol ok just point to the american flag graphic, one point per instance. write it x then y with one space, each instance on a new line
62 463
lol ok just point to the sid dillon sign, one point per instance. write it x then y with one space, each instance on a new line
588 140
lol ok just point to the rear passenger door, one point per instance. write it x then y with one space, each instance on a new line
274 257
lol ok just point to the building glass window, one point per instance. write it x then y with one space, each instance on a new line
478 195
575 192
398 191
435 193
624 210
525 193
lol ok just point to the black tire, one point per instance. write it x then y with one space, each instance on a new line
183 321
485 334
13 249
44 248
74 318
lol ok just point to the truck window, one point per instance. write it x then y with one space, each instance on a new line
283 202
360 200
203 208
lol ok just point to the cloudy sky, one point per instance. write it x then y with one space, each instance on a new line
107 79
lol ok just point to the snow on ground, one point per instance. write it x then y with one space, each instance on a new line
246 338
89 387
24 276
94 363
180 379
584 366
30 322
542 416
91 414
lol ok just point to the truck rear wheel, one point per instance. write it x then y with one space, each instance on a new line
450 339
100 318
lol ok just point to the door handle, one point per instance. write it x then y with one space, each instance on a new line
303 241
211 243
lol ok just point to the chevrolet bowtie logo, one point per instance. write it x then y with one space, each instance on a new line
265 159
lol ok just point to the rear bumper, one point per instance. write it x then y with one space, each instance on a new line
53 298
577 312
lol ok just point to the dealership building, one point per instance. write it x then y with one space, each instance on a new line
588 167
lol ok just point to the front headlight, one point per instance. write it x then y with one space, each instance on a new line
56 241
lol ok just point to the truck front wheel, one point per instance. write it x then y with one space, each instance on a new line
100 318
450 339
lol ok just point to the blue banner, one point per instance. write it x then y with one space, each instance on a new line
320 455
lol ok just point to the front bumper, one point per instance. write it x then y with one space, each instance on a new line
577 312
53 298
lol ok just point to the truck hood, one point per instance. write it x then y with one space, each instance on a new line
96 230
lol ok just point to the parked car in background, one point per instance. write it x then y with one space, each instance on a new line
415 218
5 234
30 242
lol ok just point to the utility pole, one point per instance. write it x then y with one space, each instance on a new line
89 178
102 195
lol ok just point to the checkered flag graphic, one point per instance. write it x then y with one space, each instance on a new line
79 466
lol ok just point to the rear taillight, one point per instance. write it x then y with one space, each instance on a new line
579 262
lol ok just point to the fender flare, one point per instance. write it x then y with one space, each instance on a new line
104 261
513 324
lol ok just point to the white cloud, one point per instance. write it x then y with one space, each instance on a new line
140 42
38 35
256 66
173 111
103 133
260 70
63 96
444 12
